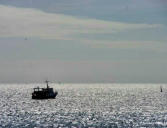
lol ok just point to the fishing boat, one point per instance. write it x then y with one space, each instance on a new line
44 93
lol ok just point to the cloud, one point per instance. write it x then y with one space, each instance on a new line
25 22
155 46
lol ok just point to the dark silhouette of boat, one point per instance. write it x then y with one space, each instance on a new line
44 93
161 89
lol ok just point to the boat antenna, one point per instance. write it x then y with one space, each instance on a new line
47 83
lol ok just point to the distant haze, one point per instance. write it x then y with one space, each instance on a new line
83 41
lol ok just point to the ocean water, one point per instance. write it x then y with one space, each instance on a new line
85 105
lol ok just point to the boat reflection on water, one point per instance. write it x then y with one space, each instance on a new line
44 93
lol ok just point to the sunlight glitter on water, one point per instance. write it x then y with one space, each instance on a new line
85 105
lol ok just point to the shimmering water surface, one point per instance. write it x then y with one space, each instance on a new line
85 105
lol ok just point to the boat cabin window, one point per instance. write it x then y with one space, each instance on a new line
37 89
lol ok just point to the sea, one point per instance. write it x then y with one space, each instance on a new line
85 106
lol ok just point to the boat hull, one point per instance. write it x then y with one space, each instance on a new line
42 96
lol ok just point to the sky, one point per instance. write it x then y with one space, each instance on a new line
83 41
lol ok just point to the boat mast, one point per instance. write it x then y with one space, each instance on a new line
47 83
